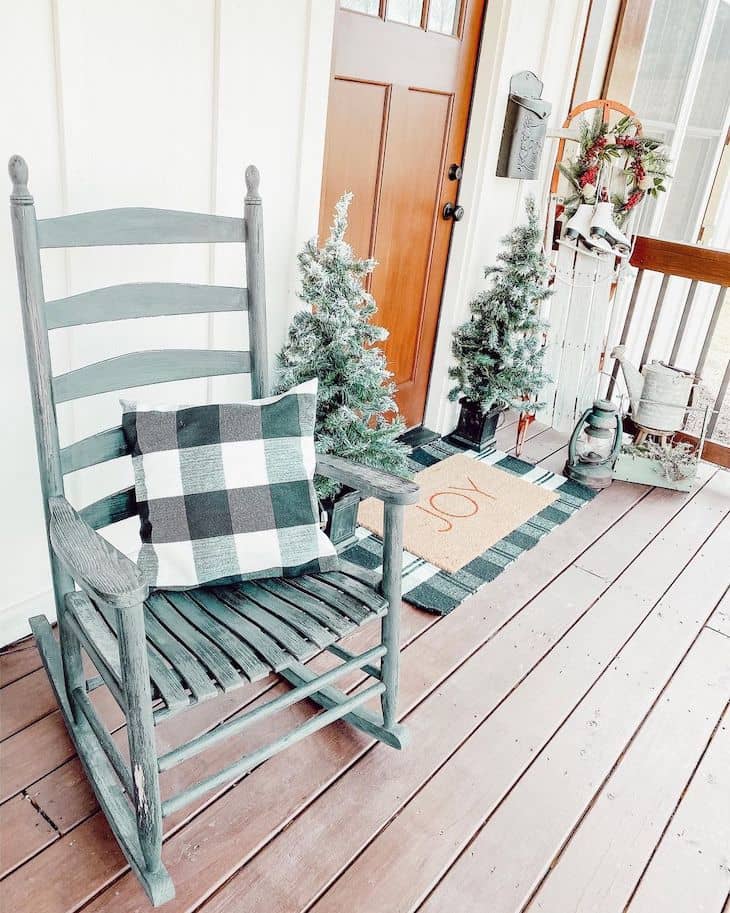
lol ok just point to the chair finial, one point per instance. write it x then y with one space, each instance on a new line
18 171
252 184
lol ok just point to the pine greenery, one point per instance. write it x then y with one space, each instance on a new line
499 350
334 340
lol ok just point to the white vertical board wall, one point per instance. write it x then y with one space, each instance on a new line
545 38
150 104
24 570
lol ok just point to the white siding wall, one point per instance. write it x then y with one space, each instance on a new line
158 103
543 36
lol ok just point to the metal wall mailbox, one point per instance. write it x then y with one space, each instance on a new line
525 125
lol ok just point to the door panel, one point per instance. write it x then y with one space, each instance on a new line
409 199
397 118
356 127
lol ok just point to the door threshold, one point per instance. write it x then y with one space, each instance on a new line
417 437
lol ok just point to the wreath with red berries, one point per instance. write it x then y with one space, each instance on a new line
607 155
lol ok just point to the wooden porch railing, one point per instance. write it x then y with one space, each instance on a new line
699 265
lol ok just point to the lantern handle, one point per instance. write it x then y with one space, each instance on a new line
574 436
619 435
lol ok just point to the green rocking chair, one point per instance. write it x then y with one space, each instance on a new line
205 644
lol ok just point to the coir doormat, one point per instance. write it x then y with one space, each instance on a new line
440 569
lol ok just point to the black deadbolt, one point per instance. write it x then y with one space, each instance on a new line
451 211
455 172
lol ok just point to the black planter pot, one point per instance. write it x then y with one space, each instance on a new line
342 517
476 428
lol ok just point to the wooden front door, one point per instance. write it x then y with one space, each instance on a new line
398 111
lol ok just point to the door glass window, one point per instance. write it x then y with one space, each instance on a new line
408 12
371 7
443 16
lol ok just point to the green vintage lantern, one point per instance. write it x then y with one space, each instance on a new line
594 446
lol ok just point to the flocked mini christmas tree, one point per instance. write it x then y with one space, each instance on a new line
499 350
334 340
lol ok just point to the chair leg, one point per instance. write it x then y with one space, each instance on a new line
390 625
109 792
140 733
73 668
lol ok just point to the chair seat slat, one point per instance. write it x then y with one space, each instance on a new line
168 685
142 299
333 597
319 610
180 658
350 586
156 366
165 608
264 645
138 225
290 614
97 631
237 649
238 599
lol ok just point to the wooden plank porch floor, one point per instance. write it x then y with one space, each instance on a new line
570 750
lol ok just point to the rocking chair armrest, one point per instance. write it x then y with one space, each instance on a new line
388 488
96 565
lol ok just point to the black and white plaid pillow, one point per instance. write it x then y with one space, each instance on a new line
225 491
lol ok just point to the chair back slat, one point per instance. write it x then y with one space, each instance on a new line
143 299
121 302
98 448
137 369
110 509
138 226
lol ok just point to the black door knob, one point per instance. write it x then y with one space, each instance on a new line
455 172
452 211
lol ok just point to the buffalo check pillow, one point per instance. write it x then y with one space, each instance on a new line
225 492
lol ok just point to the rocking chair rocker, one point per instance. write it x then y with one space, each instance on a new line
163 653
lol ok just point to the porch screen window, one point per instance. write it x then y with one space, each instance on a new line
370 7
681 95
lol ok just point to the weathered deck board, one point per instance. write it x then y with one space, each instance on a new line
289 873
689 870
344 816
720 618
545 627
41 747
23 830
551 798
604 860
410 858
433 656
56 792
82 881
585 529
25 701
18 660
605 514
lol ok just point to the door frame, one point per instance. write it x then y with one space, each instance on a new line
455 196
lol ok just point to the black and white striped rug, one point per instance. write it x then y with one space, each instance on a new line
440 592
